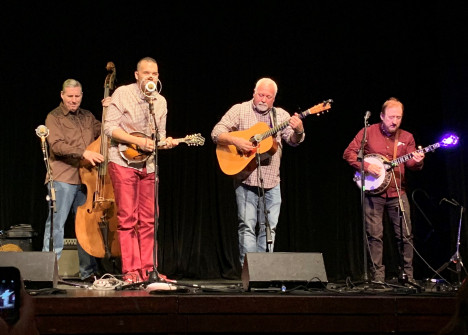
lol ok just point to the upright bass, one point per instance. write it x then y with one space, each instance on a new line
96 220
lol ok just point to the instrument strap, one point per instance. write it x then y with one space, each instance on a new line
273 113
395 146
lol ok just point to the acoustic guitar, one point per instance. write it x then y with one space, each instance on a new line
232 161
134 154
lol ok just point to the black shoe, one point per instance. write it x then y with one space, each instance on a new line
91 278
414 284
378 285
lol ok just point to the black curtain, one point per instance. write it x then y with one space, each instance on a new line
210 57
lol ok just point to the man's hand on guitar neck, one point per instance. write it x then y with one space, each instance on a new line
418 156
169 143
147 144
296 123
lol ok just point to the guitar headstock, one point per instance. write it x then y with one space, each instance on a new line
449 140
319 108
195 139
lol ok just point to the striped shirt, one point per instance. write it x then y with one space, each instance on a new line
242 117
129 110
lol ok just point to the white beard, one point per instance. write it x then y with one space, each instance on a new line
262 107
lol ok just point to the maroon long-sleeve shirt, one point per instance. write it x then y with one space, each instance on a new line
380 143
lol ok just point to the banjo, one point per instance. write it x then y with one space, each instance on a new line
376 185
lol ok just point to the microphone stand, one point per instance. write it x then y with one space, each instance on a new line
403 277
153 276
360 157
51 196
269 239
456 258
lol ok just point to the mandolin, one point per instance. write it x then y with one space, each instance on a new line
134 154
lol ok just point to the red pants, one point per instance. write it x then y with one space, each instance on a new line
134 197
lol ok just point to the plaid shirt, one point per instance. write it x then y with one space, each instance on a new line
129 110
242 117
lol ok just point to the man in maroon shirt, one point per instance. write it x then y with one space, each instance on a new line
388 140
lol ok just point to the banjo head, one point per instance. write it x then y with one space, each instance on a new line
374 185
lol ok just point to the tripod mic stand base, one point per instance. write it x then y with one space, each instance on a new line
154 277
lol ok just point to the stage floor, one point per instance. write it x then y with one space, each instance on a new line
225 307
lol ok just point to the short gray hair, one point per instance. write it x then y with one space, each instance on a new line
266 81
71 83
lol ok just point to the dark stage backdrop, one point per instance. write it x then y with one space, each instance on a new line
210 56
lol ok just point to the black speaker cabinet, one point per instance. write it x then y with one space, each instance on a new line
266 270
38 269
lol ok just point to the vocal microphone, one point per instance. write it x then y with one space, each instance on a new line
150 86
42 131
367 116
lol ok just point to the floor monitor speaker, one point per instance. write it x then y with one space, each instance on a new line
38 269
279 270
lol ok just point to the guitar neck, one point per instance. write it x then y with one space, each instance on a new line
407 157
281 126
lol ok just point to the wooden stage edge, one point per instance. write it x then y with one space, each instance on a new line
225 308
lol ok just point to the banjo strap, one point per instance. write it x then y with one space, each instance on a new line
395 146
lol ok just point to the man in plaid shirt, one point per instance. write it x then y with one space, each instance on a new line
250 186
133 181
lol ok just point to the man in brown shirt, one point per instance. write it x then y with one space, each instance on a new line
71 130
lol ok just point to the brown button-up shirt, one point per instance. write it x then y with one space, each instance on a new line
70 133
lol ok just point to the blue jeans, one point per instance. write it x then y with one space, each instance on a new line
68 197
250 212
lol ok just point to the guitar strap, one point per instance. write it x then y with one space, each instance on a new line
273 114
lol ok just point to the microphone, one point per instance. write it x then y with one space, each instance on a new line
367 116
42 131
150 86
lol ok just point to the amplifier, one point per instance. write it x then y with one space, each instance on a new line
68 263
69 244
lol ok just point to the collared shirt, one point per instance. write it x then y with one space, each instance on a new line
380 143
70 133
242 117
129 110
